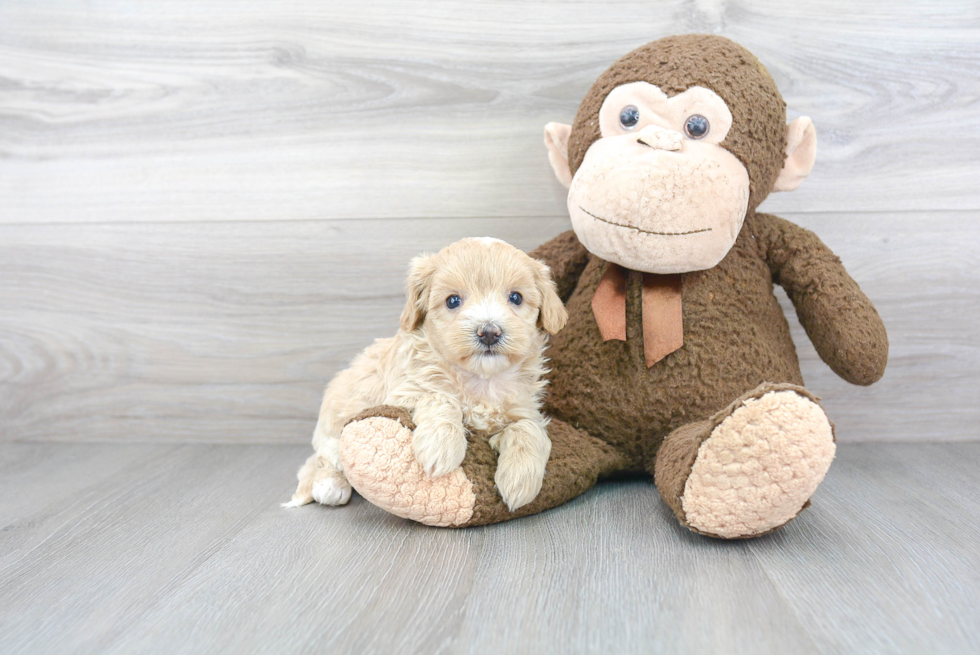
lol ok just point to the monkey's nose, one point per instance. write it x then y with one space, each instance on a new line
659 138
488 334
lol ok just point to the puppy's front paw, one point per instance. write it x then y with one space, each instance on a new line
439 446
523 454
519 476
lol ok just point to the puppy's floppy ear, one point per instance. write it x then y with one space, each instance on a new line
420 275
552 315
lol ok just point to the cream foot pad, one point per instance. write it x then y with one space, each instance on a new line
759 466
376 454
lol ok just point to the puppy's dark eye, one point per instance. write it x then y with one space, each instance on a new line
696 126
453 301
629 117
516 298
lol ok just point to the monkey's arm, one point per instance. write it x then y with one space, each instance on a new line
566 258
839 319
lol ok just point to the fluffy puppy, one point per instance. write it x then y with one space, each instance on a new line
468 357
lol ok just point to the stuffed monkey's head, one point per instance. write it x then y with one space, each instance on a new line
671 148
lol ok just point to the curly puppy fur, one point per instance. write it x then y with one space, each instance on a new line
440 367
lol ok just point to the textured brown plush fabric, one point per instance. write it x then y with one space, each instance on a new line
736 339
737 343
842 324
674 462
403 416
676 63
577 461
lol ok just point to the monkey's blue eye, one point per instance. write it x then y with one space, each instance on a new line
516 298
453 301
696 126
629 117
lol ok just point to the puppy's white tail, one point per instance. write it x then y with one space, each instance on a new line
298 500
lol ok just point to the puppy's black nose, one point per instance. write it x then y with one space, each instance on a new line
488 334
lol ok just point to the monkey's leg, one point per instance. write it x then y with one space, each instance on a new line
750 468
376 452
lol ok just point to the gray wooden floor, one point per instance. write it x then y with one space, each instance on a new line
109 548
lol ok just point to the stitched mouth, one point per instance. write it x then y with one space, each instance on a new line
630 227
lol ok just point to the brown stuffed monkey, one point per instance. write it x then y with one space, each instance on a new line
676 359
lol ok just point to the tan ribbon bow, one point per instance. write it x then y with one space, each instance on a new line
663 321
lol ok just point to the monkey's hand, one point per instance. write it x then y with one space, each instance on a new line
843 325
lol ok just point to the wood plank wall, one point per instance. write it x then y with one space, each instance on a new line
207 208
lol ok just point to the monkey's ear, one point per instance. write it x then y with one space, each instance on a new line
417 292
556 139
801 152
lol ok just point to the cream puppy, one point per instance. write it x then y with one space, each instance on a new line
468 357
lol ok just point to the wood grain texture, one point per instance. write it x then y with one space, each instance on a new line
227 332
175 111
187 551
898 494
35 474
111 557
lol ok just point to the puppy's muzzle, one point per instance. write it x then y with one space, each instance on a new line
488 334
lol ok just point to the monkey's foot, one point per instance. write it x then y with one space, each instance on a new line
750 469
376 453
